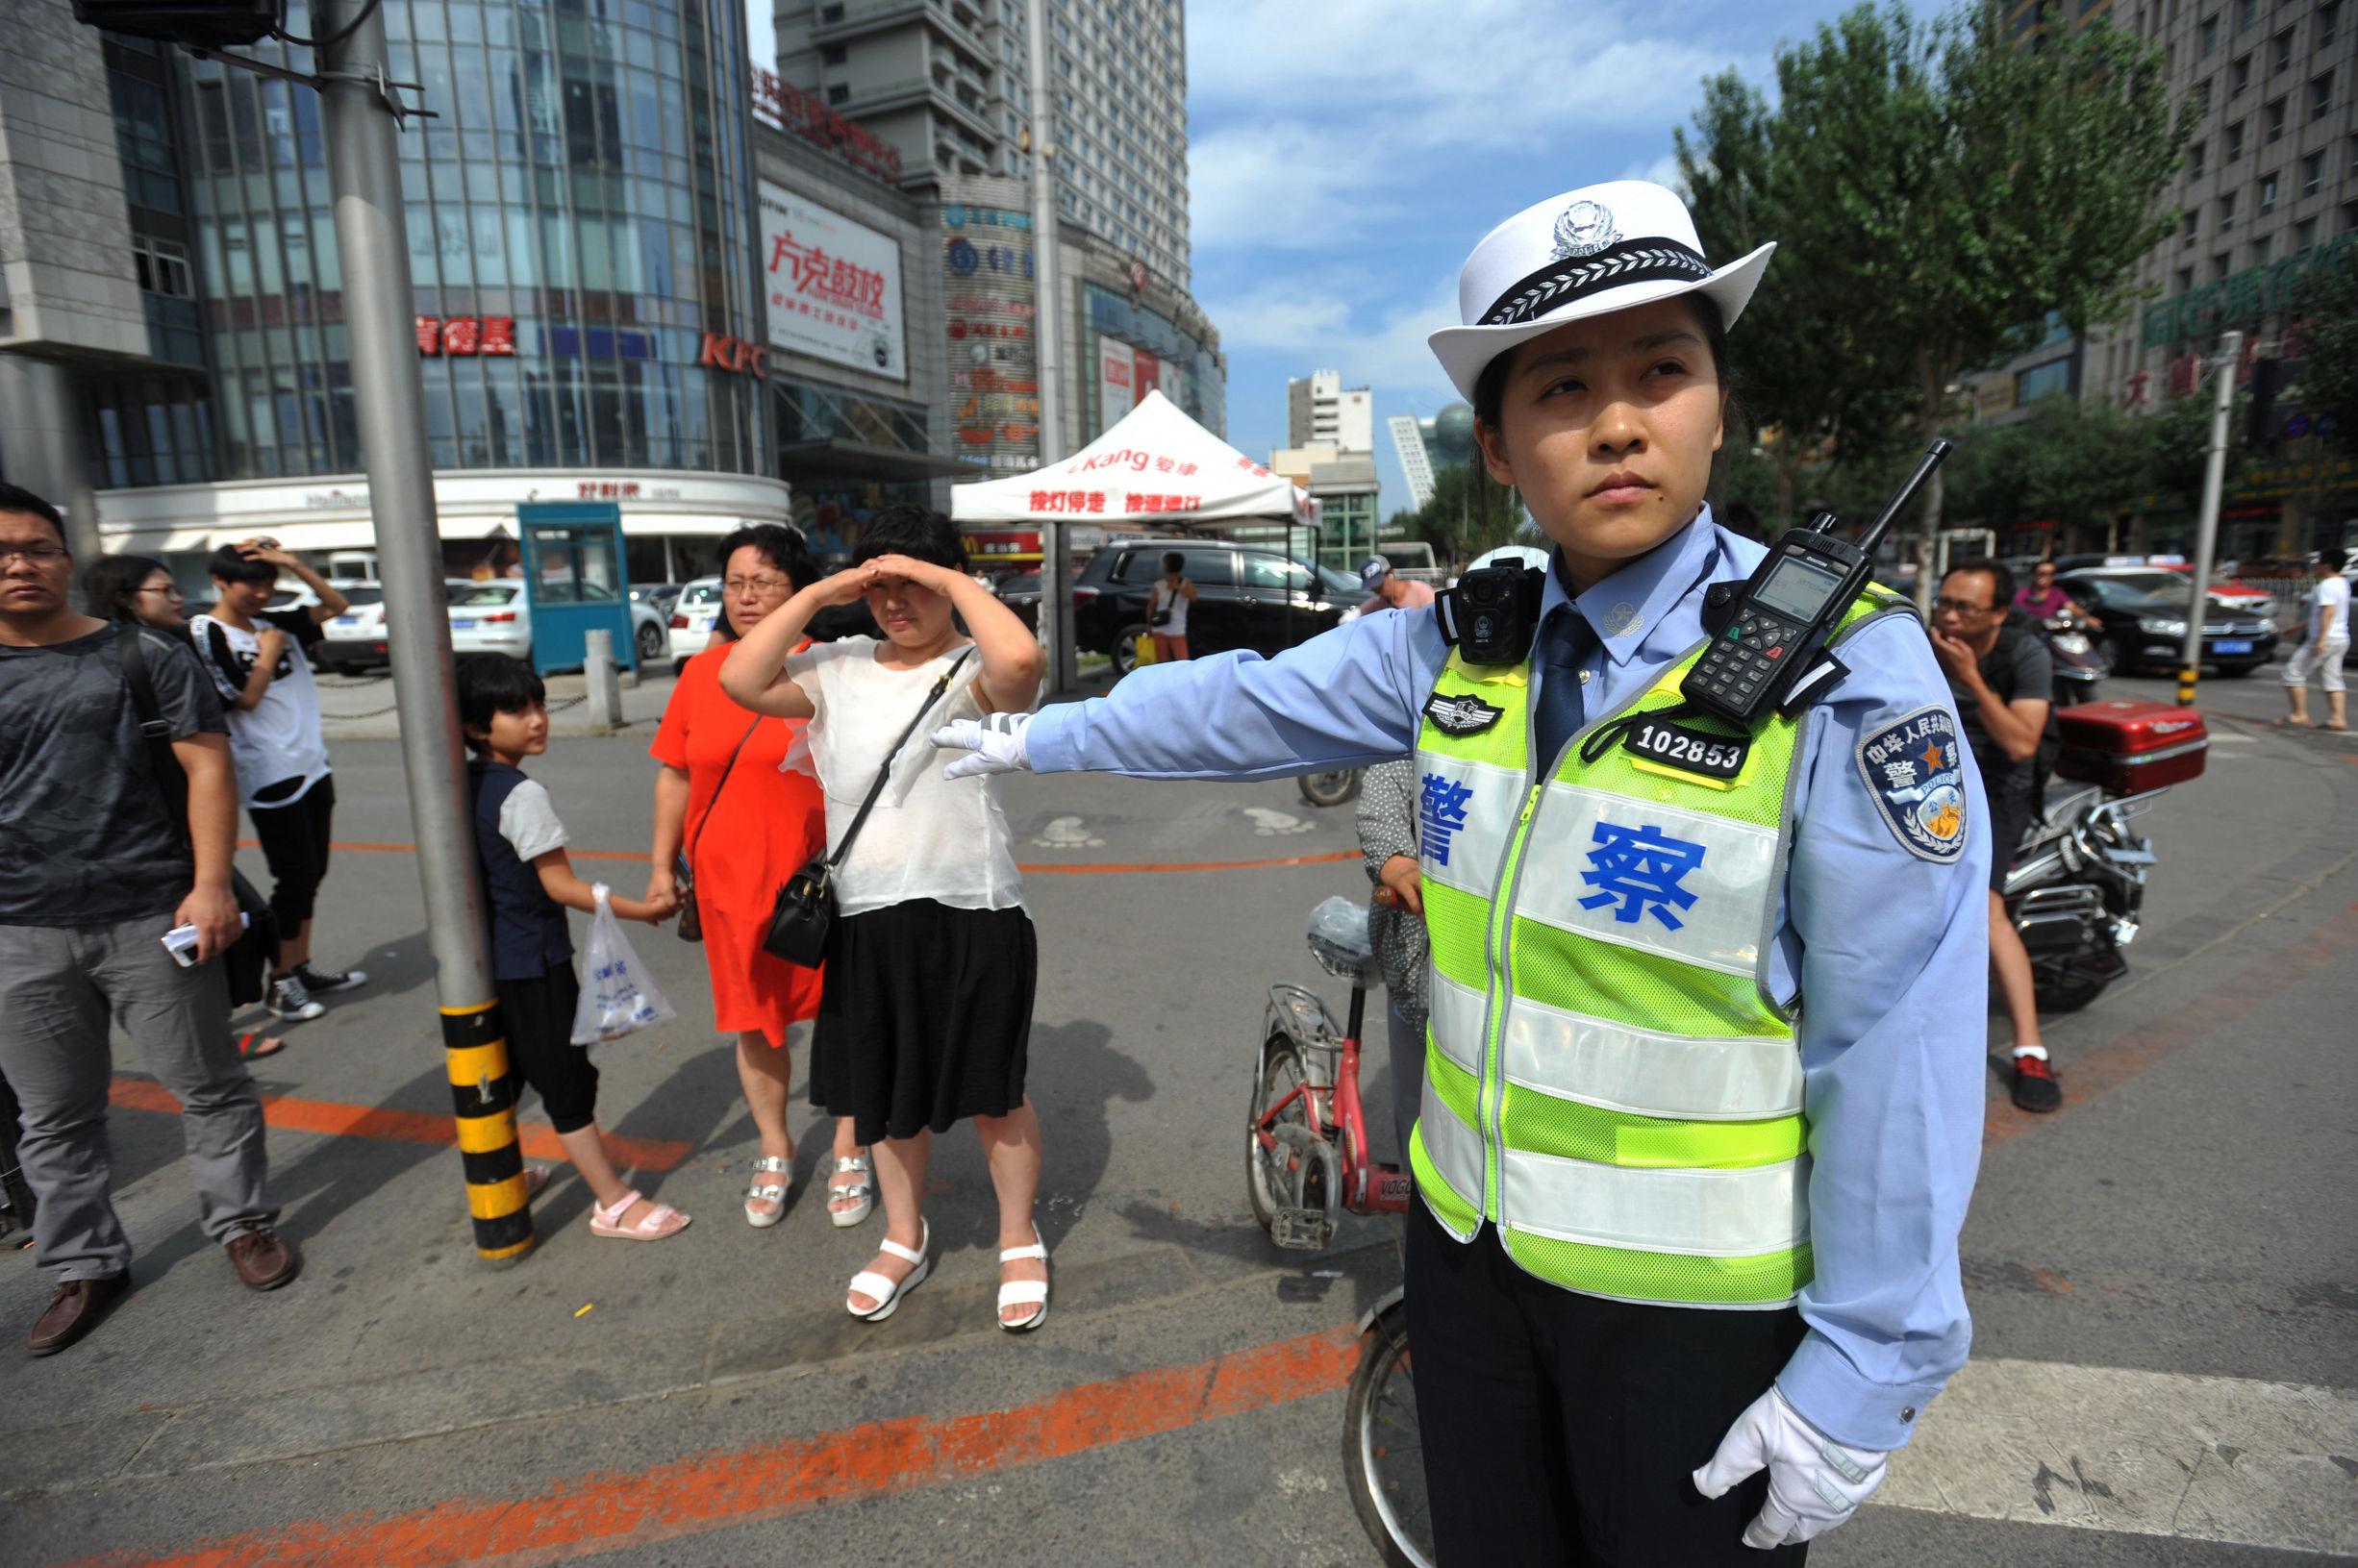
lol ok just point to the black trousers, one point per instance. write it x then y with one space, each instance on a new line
294 843
1561 1429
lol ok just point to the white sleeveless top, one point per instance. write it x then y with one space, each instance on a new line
929 837
1178 626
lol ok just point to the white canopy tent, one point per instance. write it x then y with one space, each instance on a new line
1157 466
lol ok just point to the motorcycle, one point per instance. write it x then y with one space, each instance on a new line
1337 787
2077 889
2081 654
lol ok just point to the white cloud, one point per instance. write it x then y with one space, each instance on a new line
1380 345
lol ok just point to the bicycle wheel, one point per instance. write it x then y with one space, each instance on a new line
1268 1172
1383 1453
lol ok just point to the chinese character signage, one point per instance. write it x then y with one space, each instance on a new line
467 335
990 316
833 285
790 109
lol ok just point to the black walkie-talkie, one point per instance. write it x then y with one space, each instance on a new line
1785 608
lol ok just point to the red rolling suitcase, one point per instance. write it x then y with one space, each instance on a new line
2130 748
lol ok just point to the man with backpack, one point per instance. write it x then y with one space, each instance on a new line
2003 682
96 872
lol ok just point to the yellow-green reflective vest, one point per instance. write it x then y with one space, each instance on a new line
1607 1079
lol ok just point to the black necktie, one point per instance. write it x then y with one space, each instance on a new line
1563 646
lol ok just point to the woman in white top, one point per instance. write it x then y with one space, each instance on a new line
2327 624
1167 610
925 1013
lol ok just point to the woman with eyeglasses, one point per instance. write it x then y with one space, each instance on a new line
742 828
140 588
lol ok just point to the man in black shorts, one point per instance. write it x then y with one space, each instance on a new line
2004 685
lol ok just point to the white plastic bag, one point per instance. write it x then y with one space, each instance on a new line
618 994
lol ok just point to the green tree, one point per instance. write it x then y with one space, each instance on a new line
1948 192
1470 512
2072 462
2327 299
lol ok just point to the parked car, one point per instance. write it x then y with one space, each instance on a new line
692 616
494 618
355 640
2146 624
662 595
1246 596
2226 590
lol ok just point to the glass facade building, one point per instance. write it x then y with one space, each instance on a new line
579 218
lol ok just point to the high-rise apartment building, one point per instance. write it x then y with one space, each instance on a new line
1416 464
2267 192
1320 408
948 82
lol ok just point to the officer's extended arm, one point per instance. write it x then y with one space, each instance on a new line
1348 697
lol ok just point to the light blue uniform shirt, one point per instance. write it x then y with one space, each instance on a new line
1889 950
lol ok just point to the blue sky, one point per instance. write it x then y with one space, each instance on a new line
1344 155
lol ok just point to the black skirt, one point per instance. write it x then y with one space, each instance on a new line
926 1017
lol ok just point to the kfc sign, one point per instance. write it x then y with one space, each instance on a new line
735 355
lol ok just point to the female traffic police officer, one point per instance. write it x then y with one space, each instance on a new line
1673 1217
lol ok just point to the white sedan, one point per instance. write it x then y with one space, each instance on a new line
693 619
492 618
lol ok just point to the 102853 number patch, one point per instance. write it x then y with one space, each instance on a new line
1691 751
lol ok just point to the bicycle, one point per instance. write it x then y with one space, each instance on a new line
1307 1157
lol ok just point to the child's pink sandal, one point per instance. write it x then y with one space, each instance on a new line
660 1223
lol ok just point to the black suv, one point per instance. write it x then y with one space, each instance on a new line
1246 596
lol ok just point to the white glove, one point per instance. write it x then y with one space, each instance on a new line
1813 1481
996 742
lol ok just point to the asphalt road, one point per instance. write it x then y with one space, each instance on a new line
2163 1275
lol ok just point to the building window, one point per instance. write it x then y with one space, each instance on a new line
2304 236
2274 122
2259 252
2238 76
2194 160
839 93
832 54
2235 144
2227 211
2321 97
2218 266
2200 98
2186 279
2043 381
2312 174
2280 53
2208 35
161 266
2247 14
2326 16
830 13
2268 194
2189 231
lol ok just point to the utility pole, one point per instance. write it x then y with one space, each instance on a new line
2206 525
1047 342
364 174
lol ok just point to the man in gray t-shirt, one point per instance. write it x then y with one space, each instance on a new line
94 870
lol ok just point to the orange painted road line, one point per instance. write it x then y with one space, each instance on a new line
1328 858
603 1511
2110 1065
336 1119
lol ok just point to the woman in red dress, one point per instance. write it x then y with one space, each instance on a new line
746 827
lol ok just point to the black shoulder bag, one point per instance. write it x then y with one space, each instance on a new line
684 873
247 962
805 910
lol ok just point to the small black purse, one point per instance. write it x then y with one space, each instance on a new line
805 912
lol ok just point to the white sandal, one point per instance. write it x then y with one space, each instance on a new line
863 1190
1018 1292
888 1293
767 1192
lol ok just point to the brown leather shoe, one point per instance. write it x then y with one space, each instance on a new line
262 1261
74 1311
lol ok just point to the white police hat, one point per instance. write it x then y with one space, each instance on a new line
1589 252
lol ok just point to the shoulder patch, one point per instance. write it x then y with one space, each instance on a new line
1913 768
1464 715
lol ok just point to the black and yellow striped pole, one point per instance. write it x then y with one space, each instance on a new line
2206 524
484 1099
388 406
